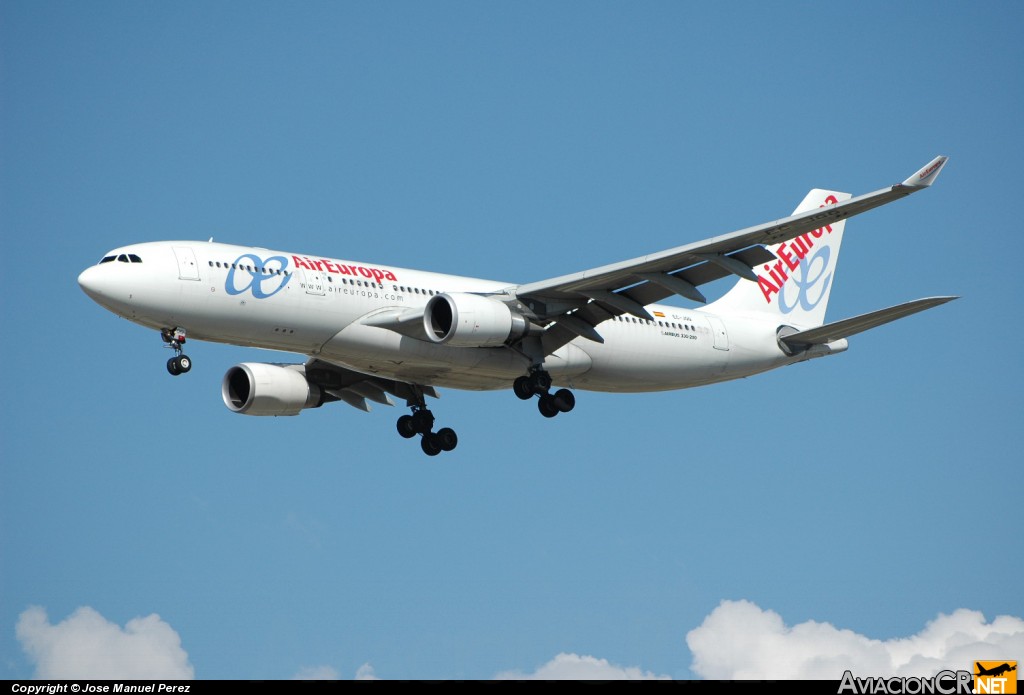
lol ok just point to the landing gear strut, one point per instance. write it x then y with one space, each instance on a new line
538 383
421 422
175 338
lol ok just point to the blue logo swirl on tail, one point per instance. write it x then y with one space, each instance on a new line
810 274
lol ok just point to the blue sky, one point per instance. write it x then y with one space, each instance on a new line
864 497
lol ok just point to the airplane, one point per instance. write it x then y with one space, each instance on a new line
995 671
371 331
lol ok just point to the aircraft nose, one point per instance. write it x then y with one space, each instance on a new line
90 282
102 285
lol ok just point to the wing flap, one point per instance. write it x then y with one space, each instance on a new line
354 387
847 327
353 399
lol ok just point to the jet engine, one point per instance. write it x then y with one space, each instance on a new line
469 320
254 388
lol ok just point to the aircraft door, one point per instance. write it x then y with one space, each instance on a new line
718 331
315 282
188 269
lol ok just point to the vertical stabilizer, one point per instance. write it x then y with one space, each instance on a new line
796 286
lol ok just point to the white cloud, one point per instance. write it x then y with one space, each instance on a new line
366 673
576 667
87 645
328 673
739 640
316 673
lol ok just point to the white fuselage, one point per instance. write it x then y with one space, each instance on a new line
316 306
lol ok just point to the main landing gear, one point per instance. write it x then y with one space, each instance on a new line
175 338
538 383
422 422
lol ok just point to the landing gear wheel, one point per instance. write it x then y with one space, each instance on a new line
522 388
430 444
447 438
564 400
175 338
423 421
546 406
540 381
406 427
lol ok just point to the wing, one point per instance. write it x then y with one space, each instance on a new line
577 303
355 388
858 324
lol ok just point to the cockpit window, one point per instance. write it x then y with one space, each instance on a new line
122 258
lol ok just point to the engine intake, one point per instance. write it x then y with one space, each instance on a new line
254 388
469 320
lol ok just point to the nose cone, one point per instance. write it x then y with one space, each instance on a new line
104 286
91 282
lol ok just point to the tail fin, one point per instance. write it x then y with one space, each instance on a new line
796 286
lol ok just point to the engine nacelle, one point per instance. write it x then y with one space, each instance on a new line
254 388
469 320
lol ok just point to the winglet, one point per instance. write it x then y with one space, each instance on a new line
927 175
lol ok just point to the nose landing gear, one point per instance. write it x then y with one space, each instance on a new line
538 383
179 364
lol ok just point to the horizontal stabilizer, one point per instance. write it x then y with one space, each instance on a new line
847 327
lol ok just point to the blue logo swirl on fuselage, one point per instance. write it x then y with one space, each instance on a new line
805 282
274 269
